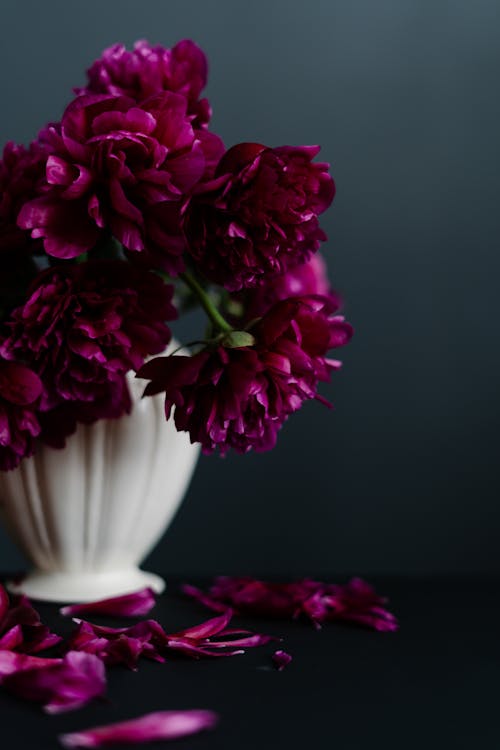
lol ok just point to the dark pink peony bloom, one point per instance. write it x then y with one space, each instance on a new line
239 397
281 659
148 70
259 217
81 329
120 168
21 173
160 725
355 602
135 604
65 685
20 391
310 278
21 629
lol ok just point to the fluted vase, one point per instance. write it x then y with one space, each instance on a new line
87 515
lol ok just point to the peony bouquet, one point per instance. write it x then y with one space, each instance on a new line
129 211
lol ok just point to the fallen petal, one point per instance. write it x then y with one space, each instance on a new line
356 601
12 638
281 659
209 601
212 638
22 628
120 645
161 725
208 628
64 685
10 662
136 604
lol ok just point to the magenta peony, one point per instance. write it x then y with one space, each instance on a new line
239 397
21 173
308 278
121 169
81 329
20 390
148 70
259 216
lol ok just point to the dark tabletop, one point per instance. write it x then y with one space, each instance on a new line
433 684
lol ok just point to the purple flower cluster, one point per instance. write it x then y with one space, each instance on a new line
259 216
239 397
148 70
118 167
81 329
131 187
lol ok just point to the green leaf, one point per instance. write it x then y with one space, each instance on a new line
238 339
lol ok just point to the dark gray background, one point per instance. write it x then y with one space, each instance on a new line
403 96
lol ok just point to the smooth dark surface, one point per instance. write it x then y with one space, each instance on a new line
403 96
433 684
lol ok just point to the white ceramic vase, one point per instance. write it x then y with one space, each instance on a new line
86 516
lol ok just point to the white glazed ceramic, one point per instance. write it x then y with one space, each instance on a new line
86 516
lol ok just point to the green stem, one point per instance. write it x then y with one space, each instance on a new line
206 302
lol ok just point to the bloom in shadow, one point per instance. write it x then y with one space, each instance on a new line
259 216
20 392
81 329
309 278
239 397
21 173
115 167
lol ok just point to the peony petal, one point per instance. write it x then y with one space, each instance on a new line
355 602
161 725
281 659
206 599
10 663
196 651
136 604
199 640
207 628
12 638
61 686
120 645
22 629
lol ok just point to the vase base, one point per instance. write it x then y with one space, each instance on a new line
84 587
